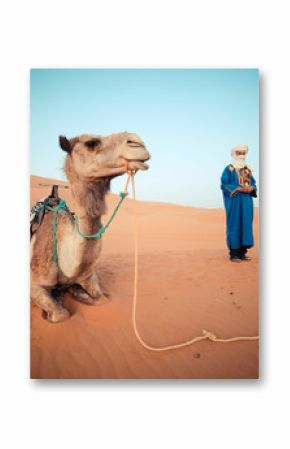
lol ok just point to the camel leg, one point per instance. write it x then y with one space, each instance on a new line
54 311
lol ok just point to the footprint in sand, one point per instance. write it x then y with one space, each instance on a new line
236 305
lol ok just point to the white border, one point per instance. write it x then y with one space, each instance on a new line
157 34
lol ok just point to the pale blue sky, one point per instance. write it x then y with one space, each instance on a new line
188 118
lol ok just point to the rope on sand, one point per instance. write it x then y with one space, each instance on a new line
206 335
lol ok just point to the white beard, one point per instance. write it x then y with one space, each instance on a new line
239 161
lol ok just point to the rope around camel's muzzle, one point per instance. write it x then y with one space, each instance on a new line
206 335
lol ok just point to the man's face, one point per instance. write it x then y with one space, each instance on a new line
241 154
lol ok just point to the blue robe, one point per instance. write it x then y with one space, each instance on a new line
239 210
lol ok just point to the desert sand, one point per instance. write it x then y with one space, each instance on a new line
186 284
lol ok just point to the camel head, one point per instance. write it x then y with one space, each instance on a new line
90 157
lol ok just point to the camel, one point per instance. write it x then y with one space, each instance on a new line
91 162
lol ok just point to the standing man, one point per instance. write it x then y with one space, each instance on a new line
239 188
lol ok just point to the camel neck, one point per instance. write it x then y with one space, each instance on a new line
88 225
89 204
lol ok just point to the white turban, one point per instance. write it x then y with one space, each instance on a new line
239 148
239 161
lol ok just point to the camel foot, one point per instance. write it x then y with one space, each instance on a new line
88 300
79 294
58 315
92 287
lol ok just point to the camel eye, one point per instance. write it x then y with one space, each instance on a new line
93 143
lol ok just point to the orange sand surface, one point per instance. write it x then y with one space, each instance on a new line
186 284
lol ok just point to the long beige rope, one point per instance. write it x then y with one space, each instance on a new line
206 335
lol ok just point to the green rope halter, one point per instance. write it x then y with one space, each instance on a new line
101 231
62 208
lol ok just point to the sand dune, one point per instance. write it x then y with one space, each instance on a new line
186 284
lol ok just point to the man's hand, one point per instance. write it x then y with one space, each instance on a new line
245 189
237 189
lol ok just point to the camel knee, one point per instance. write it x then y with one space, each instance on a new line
43 299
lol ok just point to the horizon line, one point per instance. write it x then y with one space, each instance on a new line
140 201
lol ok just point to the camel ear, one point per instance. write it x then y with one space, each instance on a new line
64 144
